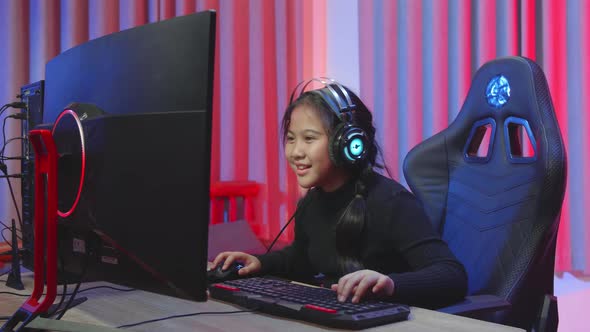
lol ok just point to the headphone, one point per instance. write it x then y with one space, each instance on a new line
348 145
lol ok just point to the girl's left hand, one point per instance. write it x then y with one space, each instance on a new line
359 283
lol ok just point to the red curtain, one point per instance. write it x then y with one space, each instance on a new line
415 63
263 49
417 59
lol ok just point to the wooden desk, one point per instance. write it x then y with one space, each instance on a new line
112 308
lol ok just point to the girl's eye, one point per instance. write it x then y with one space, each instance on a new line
309 138
290 138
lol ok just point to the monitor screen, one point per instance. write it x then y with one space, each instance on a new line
136 211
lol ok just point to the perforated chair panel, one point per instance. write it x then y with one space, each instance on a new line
498 214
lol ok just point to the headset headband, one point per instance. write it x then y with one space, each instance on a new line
328 93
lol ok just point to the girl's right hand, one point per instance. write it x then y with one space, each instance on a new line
251 264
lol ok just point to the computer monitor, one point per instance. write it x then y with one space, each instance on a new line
142 214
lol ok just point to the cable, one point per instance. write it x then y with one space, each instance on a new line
6 227
17 104
20 220
122 290
64 292
185 315
19 116
280 232
61 301
3 108
68 294
21 105
73 296
14 176
297 211
4 237
10 140
4 131
12 158
10 229
109 287
13 105
3 224
15 294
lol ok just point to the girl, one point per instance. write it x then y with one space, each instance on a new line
355 227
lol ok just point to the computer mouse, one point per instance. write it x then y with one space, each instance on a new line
219 275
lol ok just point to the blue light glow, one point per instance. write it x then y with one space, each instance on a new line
498 91
356 147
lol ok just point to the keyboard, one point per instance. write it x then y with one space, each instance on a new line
312 304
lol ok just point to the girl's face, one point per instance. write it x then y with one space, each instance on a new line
306 149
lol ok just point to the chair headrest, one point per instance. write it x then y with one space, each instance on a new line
507 94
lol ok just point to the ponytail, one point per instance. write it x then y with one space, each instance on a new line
350 228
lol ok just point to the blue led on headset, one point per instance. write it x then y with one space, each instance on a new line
498 91
356 147
347 155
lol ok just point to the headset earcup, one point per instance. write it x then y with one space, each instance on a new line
348 145
354 145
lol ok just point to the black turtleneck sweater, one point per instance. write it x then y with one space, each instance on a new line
398 240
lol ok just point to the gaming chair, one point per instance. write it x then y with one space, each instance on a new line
496 199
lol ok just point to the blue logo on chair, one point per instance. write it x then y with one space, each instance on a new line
498 91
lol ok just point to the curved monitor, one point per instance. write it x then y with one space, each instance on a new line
141 217
158 67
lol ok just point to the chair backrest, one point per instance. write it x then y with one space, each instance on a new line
498 211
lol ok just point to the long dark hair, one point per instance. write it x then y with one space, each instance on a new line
350 227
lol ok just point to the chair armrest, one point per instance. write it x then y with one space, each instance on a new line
477 304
